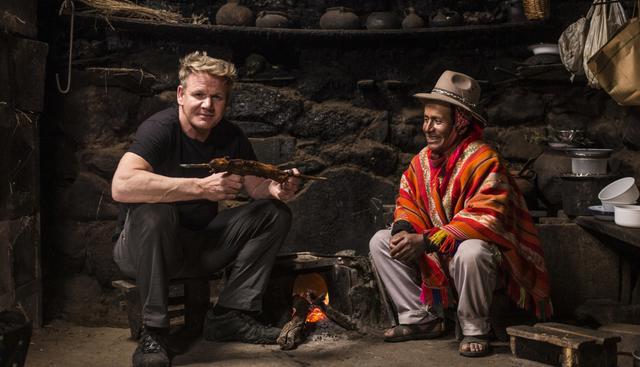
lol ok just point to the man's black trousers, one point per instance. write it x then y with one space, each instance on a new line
153 248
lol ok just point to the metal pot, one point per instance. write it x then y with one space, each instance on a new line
588 166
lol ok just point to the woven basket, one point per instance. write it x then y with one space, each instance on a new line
536 9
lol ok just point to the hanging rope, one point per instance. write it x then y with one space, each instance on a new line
65 4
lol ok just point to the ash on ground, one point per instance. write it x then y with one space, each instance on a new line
326 330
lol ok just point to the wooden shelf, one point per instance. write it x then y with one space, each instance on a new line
278 34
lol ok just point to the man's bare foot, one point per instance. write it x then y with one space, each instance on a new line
475 346
403 332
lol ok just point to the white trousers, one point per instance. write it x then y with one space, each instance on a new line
473 270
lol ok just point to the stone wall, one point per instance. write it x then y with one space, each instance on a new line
22 77
338 108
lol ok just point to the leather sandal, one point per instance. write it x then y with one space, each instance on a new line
428 330
483 340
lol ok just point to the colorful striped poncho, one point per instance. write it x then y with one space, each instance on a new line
475 198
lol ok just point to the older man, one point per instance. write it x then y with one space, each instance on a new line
172 226
460 226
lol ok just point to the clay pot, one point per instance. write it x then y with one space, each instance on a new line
272 19
339 18
411 19
232 13
382 20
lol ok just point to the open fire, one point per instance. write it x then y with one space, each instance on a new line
315 313
313 288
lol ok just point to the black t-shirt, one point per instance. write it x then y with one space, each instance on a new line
161 142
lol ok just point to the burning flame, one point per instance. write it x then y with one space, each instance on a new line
316 314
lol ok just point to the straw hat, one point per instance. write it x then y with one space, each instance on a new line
458 89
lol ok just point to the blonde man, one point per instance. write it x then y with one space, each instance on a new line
172 228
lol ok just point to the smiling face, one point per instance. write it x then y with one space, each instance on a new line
438 127
202 101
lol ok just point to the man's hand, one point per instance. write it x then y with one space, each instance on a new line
285 191
406 247
221 186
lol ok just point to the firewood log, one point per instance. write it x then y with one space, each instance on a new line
292 333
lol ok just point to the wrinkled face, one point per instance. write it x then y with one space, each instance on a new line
438 127
202 102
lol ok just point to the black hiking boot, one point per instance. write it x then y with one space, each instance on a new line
237 326
152 350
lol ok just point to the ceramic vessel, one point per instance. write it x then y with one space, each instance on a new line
272 19
412 19
382 20
234 14
627 215
622 191
339 18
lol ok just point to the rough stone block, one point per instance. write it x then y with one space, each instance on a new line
80 298
580 267
6 79
548 167
96 115
256 129
25 243
67 244
606 132
19 16
519 105
89 198
333 215
630 335
100 264
7 285
519 143
29 65
631 129
378 130
629 163
274 150
19 177
150 105
254 102
578 99
332 120
19 248
320 83
134 80
104 161
378 157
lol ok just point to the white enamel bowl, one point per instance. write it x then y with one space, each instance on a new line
627 215
622 191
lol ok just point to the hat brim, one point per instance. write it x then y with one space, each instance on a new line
442 98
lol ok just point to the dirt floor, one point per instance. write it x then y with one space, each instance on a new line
64 344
